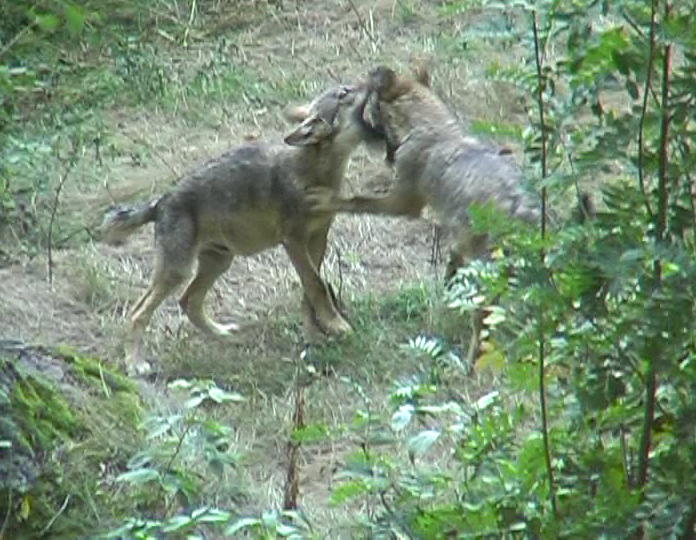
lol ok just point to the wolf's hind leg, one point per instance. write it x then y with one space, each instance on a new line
165 279
467 247
173 262
212 263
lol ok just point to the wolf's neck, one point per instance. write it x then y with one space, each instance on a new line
320 166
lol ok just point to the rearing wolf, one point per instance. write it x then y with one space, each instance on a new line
436 164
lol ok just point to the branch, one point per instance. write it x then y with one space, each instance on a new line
15 39
660 236
362 24
54 210
542 255
644 108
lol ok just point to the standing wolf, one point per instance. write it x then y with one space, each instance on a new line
437 165
245 201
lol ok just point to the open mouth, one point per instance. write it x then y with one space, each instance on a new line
374 131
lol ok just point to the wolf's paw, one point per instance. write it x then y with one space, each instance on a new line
337 326
139 368
321 200
224 330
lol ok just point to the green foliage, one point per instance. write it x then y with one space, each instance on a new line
611 451
166 474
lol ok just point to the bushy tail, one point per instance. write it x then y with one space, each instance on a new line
122 221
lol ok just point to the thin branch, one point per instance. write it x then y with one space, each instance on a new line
660 236
54 210
54 518
542 255
189 424
644 108
362 24
292 478
6 520
14 39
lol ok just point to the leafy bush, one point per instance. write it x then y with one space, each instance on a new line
596 321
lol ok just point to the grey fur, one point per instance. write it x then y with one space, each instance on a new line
247 200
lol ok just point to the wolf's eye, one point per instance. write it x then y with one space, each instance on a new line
343 91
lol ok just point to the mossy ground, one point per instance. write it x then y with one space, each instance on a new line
65 418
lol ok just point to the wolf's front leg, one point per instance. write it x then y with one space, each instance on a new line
399 202
317 292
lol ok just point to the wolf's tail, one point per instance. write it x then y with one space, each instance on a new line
122 221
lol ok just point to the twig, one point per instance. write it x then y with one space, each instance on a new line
15 39
332 74
660 236
7 514
644 108
54 210
54 518
192 16
340 274
292 481
182 437
542 255
362 24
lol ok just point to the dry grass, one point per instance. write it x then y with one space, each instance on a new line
293 50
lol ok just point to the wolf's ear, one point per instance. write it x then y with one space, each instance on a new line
382 80
313 130
298 113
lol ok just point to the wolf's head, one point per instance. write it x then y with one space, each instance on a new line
335 116
395 101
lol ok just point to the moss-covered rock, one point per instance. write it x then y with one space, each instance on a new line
65 422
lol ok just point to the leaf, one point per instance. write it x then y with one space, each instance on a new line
487 400
179 384
47 22
492 360
219 395
421 443
74 19
348 490
139 476
495 316
243 523
25 508
5 444
213 515
194 402
285 530
311 433
177 523
402 417
163 426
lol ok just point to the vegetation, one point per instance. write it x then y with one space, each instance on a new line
579 418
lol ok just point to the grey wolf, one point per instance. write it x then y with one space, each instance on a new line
247 200
438 165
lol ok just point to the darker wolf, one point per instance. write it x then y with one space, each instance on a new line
245 201
437 165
